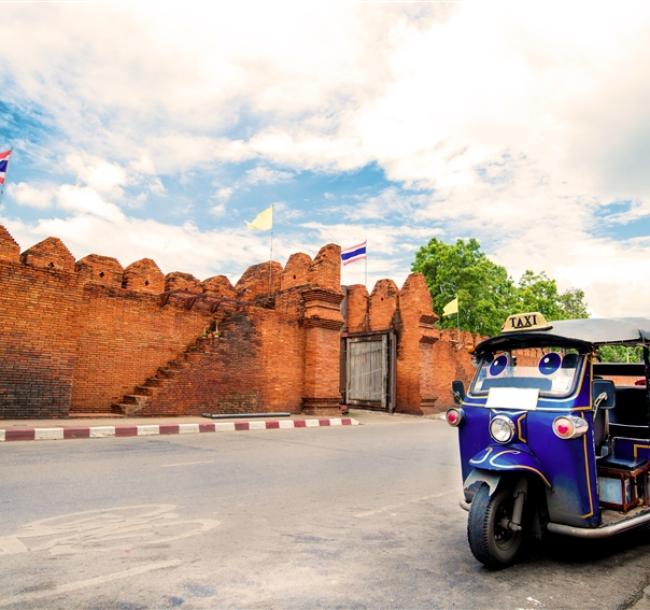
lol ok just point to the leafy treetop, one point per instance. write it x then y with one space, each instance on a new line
487 295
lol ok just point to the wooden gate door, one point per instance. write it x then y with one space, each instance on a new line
369 372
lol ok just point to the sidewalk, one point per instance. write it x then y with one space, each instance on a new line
108 427
111 427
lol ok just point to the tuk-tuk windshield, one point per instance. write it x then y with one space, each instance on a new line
552 372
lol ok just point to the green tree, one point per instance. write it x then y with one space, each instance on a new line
484 288
573 304
486 293
538 292
620 353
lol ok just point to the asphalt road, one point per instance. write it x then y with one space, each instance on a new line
362 517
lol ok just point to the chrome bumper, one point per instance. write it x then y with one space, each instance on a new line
604 531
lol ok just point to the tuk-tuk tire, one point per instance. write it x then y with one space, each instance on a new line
481 534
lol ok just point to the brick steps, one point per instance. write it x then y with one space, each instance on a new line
132 404
147 390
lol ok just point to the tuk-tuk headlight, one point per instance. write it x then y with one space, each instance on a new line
569 426
502 429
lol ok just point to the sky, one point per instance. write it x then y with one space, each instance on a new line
157 130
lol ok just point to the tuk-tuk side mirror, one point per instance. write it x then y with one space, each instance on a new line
603 393
458 390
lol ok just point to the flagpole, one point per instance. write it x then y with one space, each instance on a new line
271 250
366 265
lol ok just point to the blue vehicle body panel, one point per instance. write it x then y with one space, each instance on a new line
567 467
513 458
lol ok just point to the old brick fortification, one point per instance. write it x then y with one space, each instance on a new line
427 359
88 336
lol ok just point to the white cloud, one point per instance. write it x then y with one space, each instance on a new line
157 187
390 248
389 201
516 121
284 213
218 209
385 240
40 196
174 247
223 194
266 175
86 201
98 174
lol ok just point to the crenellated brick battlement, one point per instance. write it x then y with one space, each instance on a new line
144 275
87 336
77 336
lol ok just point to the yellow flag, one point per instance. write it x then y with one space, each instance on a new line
263 221
450 308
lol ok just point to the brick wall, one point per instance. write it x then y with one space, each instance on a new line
408 313
225 378
428 359
90 336
124 336
37 341
266 356
82 337
451 360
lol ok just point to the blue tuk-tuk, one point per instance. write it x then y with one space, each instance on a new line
552 439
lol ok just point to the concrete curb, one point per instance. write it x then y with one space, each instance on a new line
58 434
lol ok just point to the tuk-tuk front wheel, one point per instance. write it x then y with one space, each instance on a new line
491 539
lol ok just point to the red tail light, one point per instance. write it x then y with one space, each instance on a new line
569 426
454 417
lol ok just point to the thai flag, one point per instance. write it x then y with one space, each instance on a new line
4 161
353 254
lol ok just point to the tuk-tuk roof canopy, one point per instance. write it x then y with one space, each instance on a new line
587 333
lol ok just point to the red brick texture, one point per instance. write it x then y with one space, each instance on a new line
124 337
427 359
144 276
451 360
382 305
182 282
9 249
104 270
90 337
38 339
260 280
219 286
51 253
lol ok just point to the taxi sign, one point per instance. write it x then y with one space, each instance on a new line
525 321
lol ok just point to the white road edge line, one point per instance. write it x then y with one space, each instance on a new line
178 464
23 598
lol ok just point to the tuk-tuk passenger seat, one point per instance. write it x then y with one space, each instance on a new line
630 418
